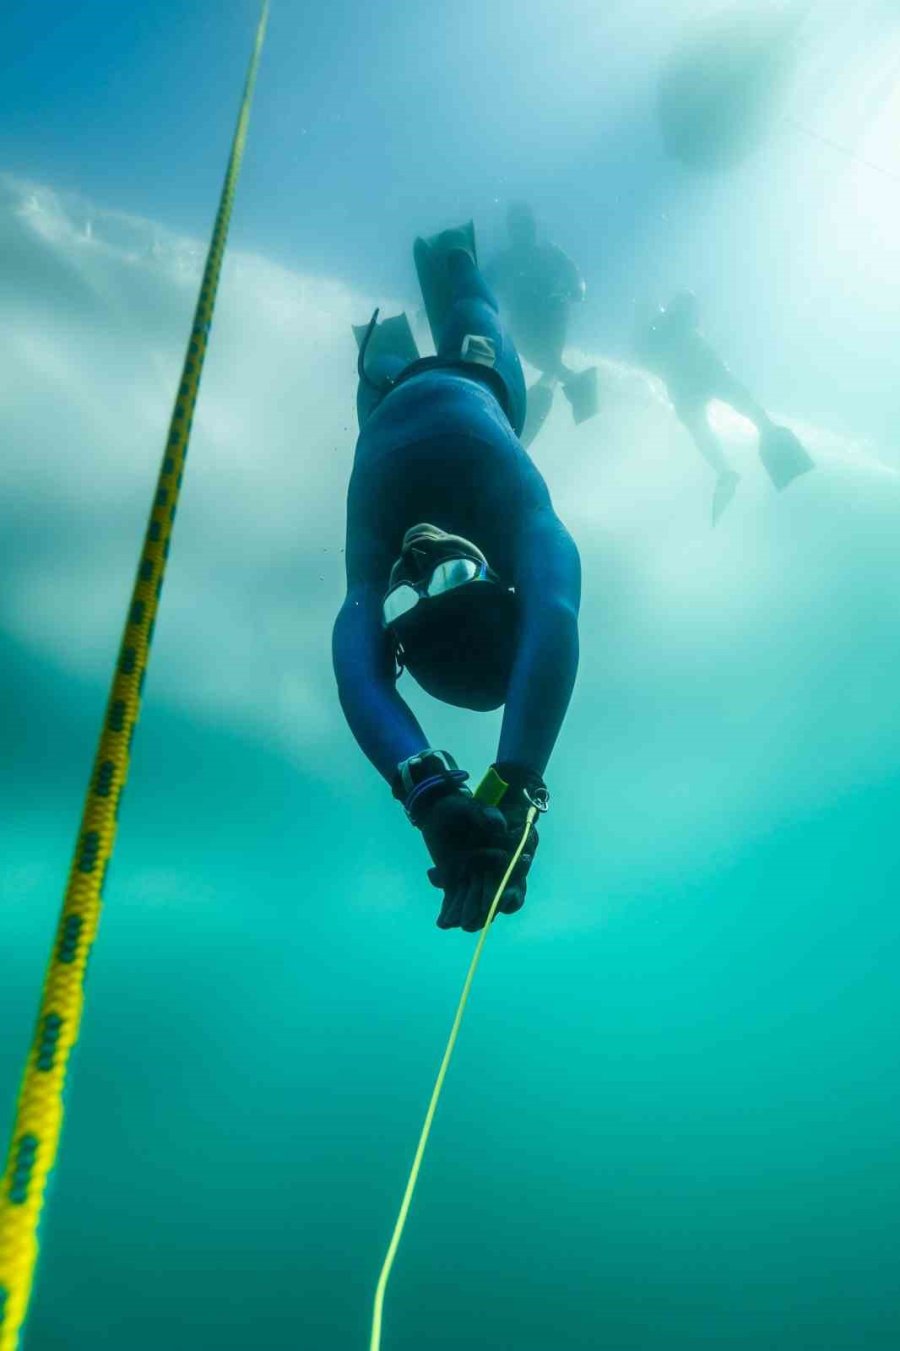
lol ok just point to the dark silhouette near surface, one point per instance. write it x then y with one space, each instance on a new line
537 284
672 347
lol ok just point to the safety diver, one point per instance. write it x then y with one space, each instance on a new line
672 346
537 284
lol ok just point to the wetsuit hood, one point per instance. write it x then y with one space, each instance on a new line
459 645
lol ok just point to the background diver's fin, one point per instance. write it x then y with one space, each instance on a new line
390 338
726 486
783 455
429 255
583 394
540 401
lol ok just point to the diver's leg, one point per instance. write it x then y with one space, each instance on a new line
547 578
783 455
381 372
579 387
738 397
540 335
695 420
474 311
706 441
544 352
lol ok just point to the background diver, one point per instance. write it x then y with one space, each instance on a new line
538 284
672 347
459 570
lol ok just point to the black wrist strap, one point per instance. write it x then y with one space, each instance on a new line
423 777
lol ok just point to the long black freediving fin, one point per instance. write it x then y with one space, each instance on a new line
390 338
783 455
540 401
430 257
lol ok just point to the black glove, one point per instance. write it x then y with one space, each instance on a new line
513 790
471 839
469 843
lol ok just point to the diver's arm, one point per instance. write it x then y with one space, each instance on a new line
548 588
384 726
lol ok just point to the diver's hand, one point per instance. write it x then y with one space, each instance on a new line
470 845
515 790
515 808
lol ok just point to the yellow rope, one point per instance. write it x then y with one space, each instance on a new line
375 1341
39 1112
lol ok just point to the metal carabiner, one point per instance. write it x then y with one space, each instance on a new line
539 799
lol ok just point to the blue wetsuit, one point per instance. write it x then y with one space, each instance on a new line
440 448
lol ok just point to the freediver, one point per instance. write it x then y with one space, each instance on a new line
673 348
458 570
538 284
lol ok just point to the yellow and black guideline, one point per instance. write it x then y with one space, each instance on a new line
39 1112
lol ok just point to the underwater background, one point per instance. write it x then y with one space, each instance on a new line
672 1120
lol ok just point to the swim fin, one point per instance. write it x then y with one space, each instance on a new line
390 338
726 486
430 257
582 392
540 401
783 455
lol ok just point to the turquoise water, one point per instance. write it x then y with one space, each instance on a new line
672 1119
